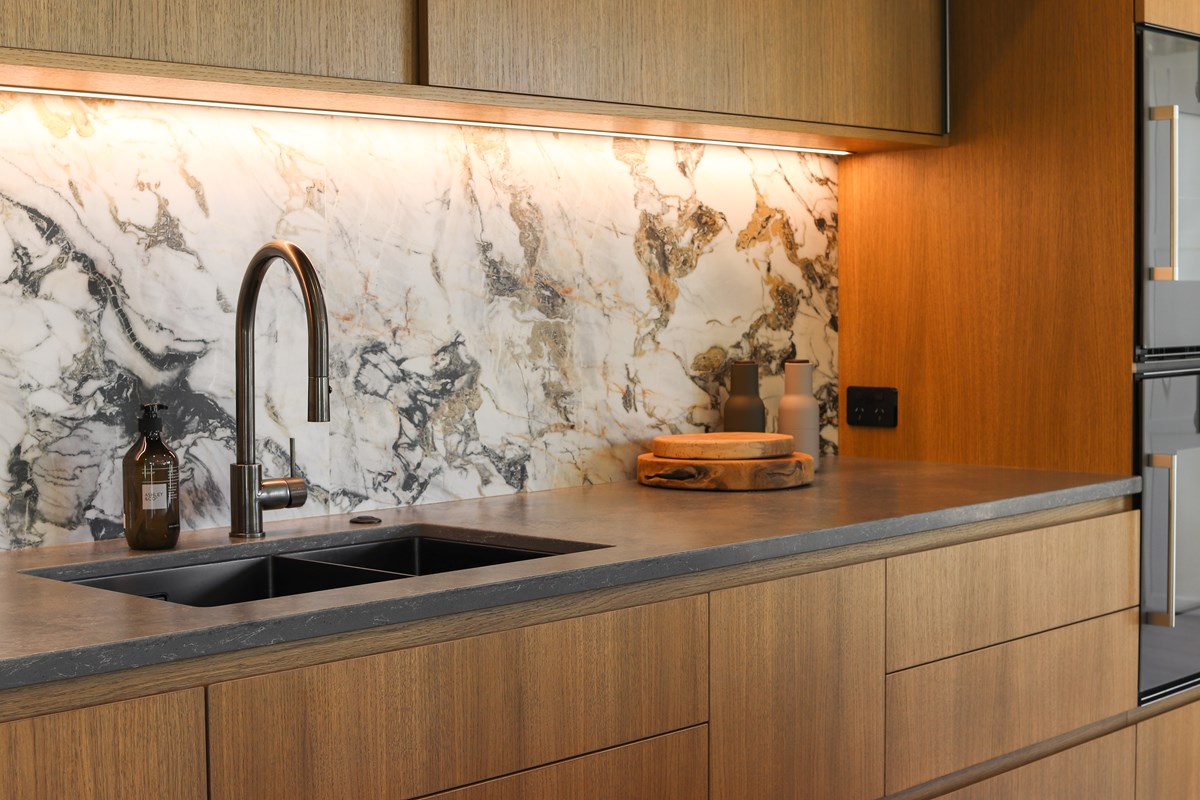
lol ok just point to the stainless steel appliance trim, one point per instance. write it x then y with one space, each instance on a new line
1170 114
1169 462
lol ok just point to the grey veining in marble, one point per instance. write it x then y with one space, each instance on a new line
51 630
510 310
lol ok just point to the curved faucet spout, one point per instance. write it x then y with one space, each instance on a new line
249 492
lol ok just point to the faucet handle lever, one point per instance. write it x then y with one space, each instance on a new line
292 456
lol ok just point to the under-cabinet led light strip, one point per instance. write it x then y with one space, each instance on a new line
404 118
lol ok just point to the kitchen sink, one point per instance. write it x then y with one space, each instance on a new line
419 555
241 581
384 556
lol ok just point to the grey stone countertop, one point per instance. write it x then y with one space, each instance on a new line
51 630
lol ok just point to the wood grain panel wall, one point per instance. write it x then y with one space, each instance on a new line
364 39
1182 15
992 282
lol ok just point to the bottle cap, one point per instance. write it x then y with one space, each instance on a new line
150 422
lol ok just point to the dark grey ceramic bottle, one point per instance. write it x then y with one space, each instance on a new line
744 410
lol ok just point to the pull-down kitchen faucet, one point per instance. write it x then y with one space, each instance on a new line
249 492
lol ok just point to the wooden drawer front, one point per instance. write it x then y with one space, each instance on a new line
132 750
955 599
797 687
1168 755
417 721
670 767
1101 769
951 714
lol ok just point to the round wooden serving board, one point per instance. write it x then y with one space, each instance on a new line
731 475
723 445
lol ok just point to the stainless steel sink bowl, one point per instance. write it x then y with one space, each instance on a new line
248 572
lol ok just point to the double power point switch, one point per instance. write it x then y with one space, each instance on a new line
871 406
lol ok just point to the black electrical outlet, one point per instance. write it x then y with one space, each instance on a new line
872 406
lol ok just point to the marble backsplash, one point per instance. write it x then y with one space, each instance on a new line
509 310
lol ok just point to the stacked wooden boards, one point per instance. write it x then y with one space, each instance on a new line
725 461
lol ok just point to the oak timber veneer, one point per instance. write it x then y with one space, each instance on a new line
947 601
425 719
360 39
1182 15
862 63
1167 764
797 687
991 281
1102 769
669 767
151 747
950 714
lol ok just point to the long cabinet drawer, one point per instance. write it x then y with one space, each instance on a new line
950 714
669 767
426 719
1102 769
956 599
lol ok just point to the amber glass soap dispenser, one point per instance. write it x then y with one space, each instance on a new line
151 473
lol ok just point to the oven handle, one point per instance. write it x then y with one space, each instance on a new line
1166 619
1171 271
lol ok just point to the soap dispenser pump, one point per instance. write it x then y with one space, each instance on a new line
151 476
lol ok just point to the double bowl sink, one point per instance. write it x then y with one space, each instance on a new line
408 552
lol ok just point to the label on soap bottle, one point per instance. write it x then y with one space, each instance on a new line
154 496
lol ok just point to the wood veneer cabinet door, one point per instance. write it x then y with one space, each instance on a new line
364 39
426 719
1102 769
669 767
853 62
1168 755
960 711
797 687
953 599
1182 15
132 750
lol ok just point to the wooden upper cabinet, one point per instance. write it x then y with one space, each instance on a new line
364 39
850 62
131 750
1182 15
426 719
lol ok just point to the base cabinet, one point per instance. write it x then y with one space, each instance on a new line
797 687
670 767
1102 769
132 750
1168 755
426 719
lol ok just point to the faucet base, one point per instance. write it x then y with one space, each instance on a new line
244 510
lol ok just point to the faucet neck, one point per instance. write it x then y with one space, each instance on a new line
318 340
